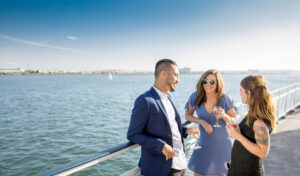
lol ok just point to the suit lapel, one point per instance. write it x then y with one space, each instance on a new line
160 104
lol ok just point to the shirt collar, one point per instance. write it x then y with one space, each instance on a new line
160 93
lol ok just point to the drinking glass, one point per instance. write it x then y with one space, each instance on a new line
218 111
197 146
232 121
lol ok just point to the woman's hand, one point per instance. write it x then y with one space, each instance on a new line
226 117
233 130
207 127
230 115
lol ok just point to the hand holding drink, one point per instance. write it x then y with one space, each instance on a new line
232 127
194 131
219 113
196 136
233 122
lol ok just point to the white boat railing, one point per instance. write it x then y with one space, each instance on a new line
286 99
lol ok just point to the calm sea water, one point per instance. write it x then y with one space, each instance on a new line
48 121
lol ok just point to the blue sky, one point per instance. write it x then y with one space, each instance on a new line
134 34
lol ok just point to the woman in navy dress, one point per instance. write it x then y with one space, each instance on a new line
215 145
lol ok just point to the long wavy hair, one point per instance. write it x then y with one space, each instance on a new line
201 94
260 100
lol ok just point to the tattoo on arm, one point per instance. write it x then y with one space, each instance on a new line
262 135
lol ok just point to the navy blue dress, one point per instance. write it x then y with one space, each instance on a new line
215 148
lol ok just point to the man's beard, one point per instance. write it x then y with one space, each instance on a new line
172 89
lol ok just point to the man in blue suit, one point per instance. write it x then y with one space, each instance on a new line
156 126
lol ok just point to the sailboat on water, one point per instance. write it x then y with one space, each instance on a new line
109 76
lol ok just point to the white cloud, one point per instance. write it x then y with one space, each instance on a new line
72 37
46 45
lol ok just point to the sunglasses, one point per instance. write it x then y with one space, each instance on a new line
212 82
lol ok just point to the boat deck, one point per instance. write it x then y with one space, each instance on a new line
284 155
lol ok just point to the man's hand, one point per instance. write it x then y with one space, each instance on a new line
168 151
193 131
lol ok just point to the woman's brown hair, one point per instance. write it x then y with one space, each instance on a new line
260 100
201 95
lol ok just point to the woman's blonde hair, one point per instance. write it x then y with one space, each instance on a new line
201 95
260 100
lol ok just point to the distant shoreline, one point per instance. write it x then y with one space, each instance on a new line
34 73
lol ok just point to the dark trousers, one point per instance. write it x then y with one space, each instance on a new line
175 172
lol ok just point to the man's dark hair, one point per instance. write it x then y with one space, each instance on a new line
163 64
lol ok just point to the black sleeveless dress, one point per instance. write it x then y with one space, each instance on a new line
244 163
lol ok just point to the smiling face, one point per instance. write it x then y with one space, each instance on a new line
172 78
208 87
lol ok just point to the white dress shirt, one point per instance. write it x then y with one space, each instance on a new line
179 161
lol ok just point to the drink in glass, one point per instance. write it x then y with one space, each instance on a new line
233 122
219 113
197 146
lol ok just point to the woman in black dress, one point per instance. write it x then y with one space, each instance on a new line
252 142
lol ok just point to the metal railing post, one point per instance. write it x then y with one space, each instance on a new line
294 99
277 108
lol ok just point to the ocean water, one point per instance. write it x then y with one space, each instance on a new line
48 121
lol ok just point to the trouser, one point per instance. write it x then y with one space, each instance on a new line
175 172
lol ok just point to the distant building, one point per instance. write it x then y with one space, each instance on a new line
185 70
253 71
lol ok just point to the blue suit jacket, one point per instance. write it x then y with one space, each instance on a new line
150 128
